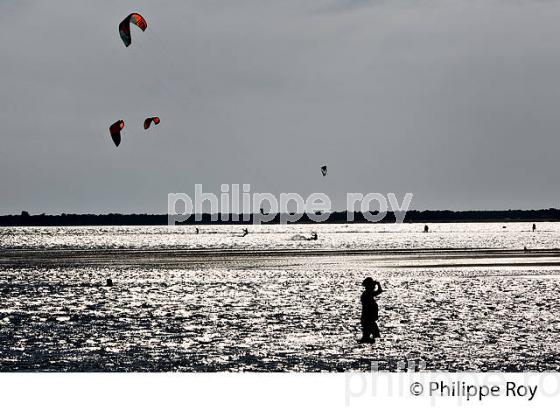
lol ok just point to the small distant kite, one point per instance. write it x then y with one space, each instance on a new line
148 122
115 131
324 170
124 27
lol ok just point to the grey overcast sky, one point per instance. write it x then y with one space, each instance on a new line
456 101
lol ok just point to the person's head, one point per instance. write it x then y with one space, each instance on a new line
368 283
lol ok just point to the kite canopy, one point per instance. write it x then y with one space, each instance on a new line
124 27
148 122
324 170
115 131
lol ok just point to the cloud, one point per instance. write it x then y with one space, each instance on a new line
454 101
338 6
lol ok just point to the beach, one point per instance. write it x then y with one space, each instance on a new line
463 297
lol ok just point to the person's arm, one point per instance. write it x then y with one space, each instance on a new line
379 289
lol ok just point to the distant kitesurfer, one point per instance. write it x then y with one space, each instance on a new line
196 231
426 229
314 236
534 227
245 232
370 310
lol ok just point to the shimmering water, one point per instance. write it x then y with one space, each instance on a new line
357 236
176 309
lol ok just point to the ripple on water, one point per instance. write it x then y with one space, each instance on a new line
301 318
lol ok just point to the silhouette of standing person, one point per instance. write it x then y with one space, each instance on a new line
534 227
370 310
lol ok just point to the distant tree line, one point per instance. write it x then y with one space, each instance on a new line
26 219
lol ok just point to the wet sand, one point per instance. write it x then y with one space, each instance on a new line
177 258
281 310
